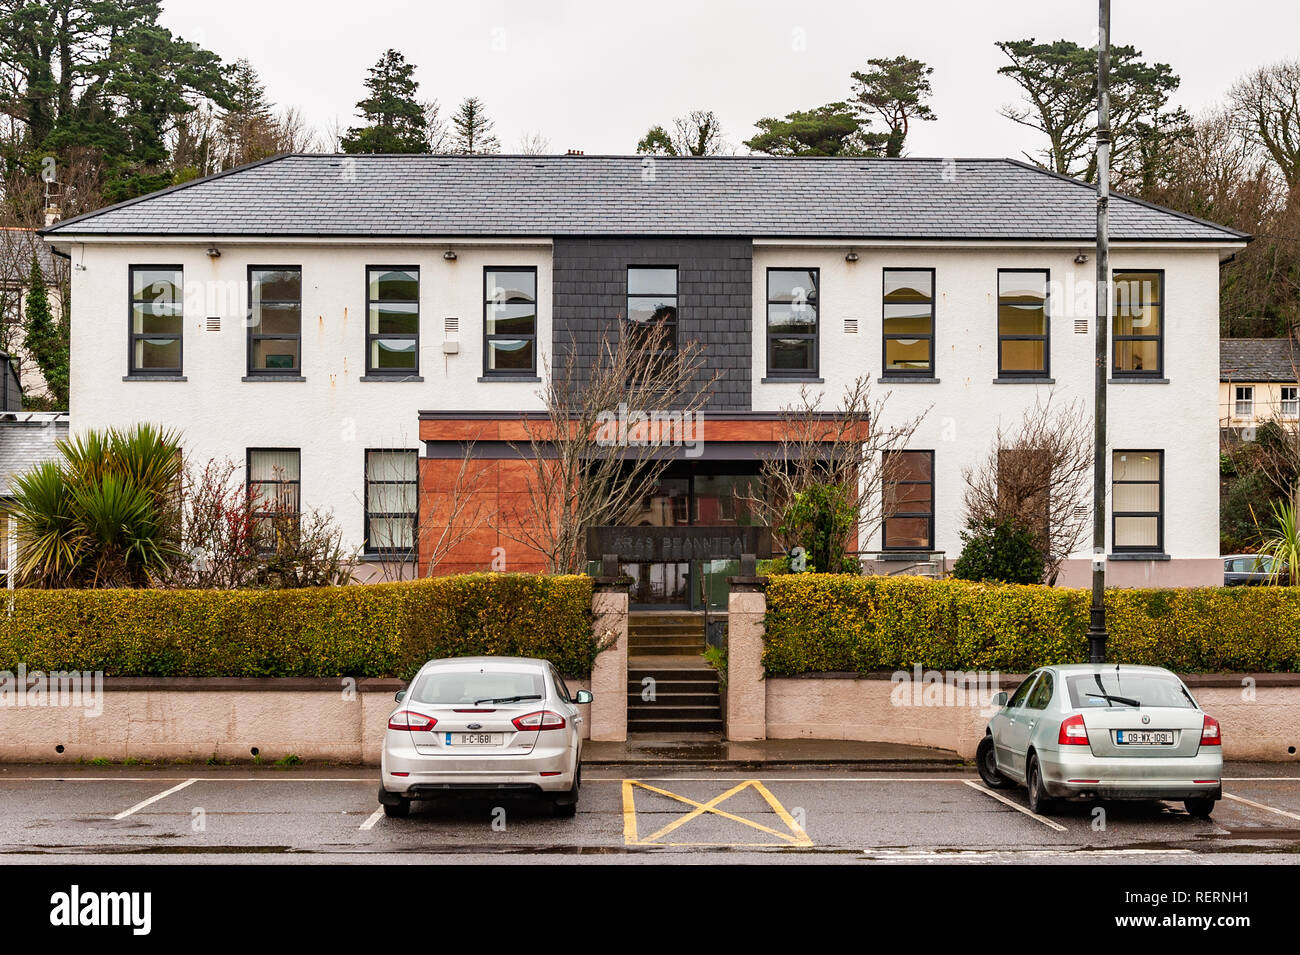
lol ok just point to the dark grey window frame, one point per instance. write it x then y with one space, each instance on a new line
255 337
816 336
1045 338
932 371
390 552
132 336
1159 370
487 338
248 485
672 344
884 524
371 337
1159 547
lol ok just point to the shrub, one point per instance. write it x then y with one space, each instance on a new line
826 623
1005 552
373 630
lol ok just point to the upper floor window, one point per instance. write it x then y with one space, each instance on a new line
1243 401
392 320
510 321
1137 501
792 322
652 304
1290 401
1138 326
391 502
908 322
908 478
1023 323
274 320
157 319
274 479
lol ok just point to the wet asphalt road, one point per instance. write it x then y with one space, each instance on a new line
306 814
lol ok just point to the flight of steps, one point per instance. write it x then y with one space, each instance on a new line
666 647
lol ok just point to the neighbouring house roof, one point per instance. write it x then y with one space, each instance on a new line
17 245
1258 359
761 197
26 439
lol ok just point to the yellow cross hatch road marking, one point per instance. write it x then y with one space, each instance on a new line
795 836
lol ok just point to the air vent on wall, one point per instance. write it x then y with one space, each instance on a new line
214 323
1080 326
850 326
451 325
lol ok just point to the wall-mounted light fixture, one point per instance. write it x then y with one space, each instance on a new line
1081 258
214 252
851 257
449 255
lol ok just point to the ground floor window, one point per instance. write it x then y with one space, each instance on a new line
391 502
908 501
1137 501
274 479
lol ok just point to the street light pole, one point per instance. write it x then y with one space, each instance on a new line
1097 616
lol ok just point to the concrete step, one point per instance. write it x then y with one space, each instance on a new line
662 675
675 699
684 692
674 713
662 650
670 628
688 639
657 725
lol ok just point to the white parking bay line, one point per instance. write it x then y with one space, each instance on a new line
1018 808
153 799
374 818
1260 805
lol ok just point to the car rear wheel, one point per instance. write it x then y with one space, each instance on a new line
397 810
1199 806
1039 802
566 806
986 762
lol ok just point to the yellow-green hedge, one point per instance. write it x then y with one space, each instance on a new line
824 623
363 631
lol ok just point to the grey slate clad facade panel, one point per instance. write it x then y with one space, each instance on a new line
714 306
420 195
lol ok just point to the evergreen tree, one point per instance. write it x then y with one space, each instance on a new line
471 129
45 340
896 90
830 130
395 120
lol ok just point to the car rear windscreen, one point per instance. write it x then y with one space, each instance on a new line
472 686
1125 689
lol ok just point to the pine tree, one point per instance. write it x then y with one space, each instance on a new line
44 340
472 129
395 120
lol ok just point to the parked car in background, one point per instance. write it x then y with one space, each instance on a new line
1101 731
484 726
1245 570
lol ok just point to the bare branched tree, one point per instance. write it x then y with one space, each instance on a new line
610 424
851 447
1038 473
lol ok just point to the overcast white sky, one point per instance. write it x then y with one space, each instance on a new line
595 75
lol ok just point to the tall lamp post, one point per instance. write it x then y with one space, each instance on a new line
1097 616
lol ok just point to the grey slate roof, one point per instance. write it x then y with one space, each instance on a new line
1257 359
17 245
25 440
463 196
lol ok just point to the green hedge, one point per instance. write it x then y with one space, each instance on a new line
824 623
363 631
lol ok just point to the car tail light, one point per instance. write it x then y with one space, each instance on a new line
541 720
408 720
1073 732
1210 735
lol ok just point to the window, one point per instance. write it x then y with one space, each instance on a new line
274 320
1041 695
391 502
908 321
157 319
510 321
1137 330
273 493
1243 404
1137 501
652 303
392 320
1290 401
1023 328
1022 692
792 322
909 500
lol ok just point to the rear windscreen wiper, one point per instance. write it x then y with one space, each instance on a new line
508 699
1122 700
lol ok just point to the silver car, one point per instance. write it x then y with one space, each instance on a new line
484 726
1099 731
